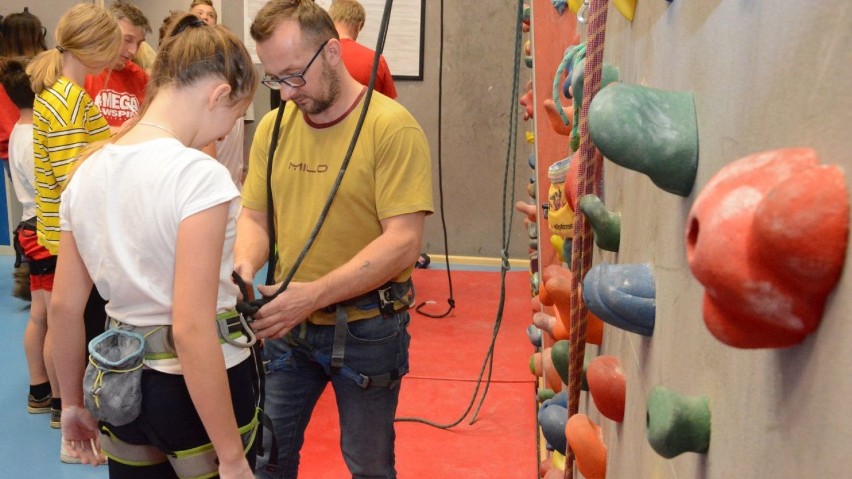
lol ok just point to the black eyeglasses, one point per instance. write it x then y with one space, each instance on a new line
296 80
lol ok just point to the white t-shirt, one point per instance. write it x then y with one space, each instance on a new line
124 205
22 168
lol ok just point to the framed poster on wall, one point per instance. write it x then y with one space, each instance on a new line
404 43
403 46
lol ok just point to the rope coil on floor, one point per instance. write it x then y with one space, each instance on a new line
589 175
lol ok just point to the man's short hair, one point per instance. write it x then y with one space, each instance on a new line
131 13
348 11
313 20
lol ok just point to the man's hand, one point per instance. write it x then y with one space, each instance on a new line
286 311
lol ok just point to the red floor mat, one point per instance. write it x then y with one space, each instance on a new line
446 358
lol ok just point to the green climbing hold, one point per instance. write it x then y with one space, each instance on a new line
559 354
677 423
606 225
651 131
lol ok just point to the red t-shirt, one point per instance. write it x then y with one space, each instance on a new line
9 115
359 61
121 99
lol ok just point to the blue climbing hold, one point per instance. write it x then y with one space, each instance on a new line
622 295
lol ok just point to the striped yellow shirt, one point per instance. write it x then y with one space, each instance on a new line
65 119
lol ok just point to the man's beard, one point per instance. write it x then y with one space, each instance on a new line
322 103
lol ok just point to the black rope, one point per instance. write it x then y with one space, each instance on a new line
511 153
451 302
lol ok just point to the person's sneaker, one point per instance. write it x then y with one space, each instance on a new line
38 406
55 418
66 454
22 282
69 456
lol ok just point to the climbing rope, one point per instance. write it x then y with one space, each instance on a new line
451 300
589 175
508 218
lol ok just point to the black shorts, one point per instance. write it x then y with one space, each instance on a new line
170 422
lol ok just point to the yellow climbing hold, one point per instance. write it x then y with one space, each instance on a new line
557 242
575 5
558 460
530 137
626 8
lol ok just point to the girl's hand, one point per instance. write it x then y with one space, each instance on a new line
237 470
81 435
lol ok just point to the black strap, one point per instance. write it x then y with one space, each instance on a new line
43 266
266 422
270 206
338 346
26 225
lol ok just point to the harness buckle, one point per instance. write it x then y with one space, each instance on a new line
385 296
225 333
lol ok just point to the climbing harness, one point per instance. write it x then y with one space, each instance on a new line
112 381
112 391
390 299
159 342
196 463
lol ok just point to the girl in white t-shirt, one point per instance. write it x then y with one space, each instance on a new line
151 221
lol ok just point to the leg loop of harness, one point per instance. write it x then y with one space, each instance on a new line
202 462
129 454
197 463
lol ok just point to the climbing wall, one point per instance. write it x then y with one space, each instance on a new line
762 75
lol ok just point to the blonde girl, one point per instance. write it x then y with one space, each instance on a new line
65 120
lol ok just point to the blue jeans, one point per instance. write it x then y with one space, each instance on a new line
374 346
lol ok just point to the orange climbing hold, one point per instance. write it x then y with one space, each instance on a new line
556 119
586 440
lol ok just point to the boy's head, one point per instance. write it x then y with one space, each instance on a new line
16 82
349 13
134 26
204 10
